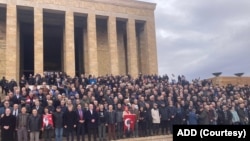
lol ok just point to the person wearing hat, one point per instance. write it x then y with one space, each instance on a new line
58 123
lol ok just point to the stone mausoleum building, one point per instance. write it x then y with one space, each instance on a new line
96 37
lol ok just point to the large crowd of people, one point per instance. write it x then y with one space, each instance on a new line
53 106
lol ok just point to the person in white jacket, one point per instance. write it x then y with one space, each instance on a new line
156 119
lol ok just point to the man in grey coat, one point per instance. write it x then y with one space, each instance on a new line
34 125
21 125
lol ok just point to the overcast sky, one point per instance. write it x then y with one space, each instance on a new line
198 37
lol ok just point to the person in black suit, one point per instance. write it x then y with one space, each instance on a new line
226 116
92 122
15 112
12 84
69 122
22 82
17 97
38 107
80 128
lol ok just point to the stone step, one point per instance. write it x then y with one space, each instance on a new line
151 138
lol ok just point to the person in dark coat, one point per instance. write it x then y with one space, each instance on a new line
22 82
148 118
8 124
102 123
242 114
92 122
41 97
12 84
180 117
58 123
171 116
38 107
21 125
142 122
80 127
164 115
111 122
192 118
17 97
69 122
119 120
3 83
226 116
203 116
31 80
6 105
34 125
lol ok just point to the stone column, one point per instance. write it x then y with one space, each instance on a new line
132 49
38 41
112 39
69 44
152 50
12 63
92 45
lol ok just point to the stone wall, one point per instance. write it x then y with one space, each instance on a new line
121 8
114 6
97 60
225 80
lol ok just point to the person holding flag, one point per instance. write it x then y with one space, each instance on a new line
135 112
129 121
48 125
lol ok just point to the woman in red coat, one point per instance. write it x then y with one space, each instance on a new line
47 125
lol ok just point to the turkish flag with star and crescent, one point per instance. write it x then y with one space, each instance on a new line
129 122
47 121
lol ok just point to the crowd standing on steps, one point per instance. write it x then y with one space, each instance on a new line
85 107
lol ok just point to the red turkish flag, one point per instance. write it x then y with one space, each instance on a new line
129 122
47 120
